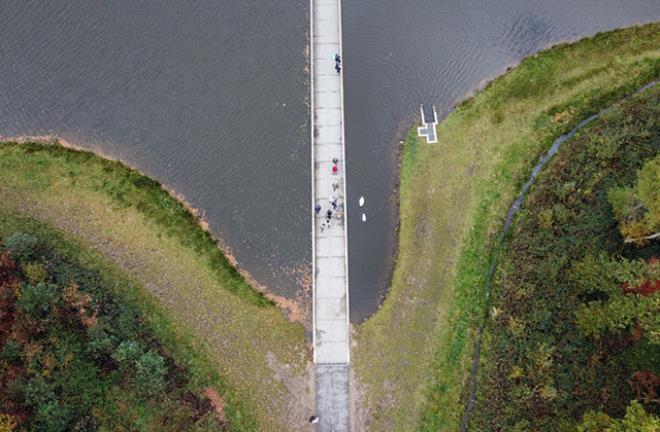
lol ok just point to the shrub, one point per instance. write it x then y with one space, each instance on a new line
37 300
150 374
146 369
7 423
35 272
37 391
100 343
635 420
52 417
21 246
11 352
127 354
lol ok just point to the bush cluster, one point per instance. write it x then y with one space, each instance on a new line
76 356
572 319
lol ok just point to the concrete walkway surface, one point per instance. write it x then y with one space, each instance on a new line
332 397
329 234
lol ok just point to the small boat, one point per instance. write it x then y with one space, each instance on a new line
361 202
364 217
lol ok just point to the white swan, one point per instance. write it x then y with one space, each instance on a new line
361 202
364 217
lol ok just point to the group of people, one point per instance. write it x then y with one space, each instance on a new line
337 63
335 209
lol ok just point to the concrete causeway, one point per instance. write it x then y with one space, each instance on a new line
329 233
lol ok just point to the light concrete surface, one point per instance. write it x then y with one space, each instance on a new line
329 240
333 380
331 341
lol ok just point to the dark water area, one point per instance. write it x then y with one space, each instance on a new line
400 54
211 98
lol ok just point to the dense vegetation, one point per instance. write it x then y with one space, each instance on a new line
74 355
574 319
414 355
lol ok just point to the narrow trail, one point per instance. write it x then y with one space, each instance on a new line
543 160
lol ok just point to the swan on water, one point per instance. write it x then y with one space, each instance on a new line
361 202
364 217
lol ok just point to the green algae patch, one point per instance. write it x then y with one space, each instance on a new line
198 304
414 355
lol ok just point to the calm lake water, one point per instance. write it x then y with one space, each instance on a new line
211 98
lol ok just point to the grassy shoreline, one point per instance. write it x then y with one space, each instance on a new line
189 291
413 356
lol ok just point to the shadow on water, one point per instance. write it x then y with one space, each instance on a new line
511 213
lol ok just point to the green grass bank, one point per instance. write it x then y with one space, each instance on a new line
413 356
129 227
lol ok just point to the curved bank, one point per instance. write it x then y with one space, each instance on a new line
139 228
413 356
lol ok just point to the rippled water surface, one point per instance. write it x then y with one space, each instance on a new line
211 97
399 54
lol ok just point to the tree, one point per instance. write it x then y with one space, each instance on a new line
637 208
613 301
635 420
